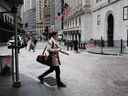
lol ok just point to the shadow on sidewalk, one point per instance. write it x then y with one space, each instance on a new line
30 87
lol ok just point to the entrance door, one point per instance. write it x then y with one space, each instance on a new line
110 22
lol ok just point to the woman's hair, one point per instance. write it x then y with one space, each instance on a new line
53 33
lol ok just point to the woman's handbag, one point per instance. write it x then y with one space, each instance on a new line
44 59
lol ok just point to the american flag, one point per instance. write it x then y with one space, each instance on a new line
67 10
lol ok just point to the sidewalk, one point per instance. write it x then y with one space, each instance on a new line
107 50
30 86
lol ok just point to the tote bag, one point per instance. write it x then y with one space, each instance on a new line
43 58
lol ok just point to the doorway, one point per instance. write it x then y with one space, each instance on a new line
110 22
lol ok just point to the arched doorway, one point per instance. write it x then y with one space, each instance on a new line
110 23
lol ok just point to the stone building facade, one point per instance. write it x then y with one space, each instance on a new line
77 20
96 19
110 21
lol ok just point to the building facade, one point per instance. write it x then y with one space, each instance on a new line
58 16
7 25
29 16
46 15
52 15
29 20
96 19
110 21
77 20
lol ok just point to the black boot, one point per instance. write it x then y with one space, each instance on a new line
40 78
61 84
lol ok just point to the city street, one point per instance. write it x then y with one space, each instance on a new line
84 74
93 32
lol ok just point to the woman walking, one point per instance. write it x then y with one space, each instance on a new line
53 49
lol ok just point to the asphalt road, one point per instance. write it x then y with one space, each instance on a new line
84 74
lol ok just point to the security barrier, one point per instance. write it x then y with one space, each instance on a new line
5 64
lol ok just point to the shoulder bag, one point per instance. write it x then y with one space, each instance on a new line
43 58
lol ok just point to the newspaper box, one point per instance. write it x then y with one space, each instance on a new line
5 64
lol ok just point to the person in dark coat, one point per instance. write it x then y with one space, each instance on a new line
76 45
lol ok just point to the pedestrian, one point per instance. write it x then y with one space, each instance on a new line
31 45
76 45
35 41
71 44
53 49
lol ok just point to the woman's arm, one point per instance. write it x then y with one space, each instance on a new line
50 49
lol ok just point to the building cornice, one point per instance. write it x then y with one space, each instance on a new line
106 5
86 9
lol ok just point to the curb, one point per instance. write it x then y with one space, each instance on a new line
102 53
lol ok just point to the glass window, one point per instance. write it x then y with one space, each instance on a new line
125 13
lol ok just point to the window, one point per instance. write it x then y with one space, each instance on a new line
98 19
125 13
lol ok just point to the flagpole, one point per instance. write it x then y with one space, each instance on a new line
62 12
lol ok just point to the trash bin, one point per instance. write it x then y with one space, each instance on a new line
5 64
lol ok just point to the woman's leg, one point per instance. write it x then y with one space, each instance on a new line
57 70
58 80
51 69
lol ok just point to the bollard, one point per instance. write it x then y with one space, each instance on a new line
121 47
5 65
101 45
